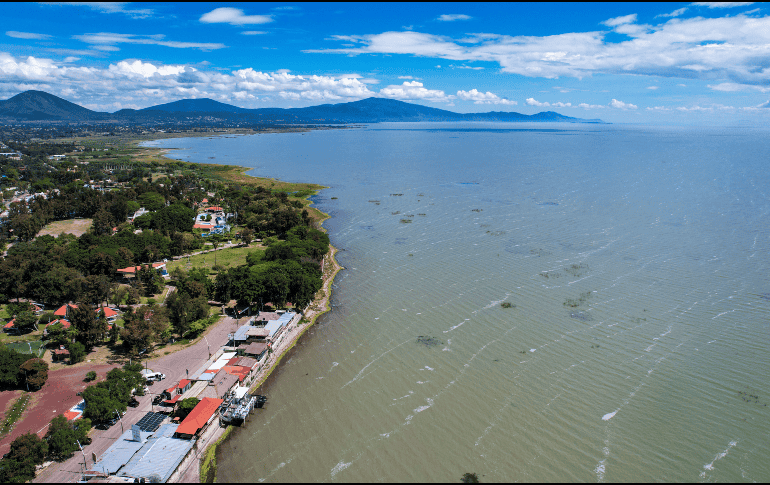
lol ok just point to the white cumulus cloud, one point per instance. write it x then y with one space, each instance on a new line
621 105
413 90
233 16
728 47
453 17
483 98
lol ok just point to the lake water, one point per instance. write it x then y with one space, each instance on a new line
635 260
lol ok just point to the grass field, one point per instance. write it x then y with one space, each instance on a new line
24 347
229 257
78 227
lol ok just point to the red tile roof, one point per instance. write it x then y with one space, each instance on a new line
108 312
134 269
199 416
9 324
62 311
65 323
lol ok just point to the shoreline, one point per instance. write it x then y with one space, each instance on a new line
203 468
207 459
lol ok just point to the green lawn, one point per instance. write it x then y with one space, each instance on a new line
229 257
24 347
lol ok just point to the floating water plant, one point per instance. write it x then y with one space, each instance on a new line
476 210
406 221
577 270
428 341
334 198
550 274
582 316
581 299
396 195
395 213
420 214
375 201
507 304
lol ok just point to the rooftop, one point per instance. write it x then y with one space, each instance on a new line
199 416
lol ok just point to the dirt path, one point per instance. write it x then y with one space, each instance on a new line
57 395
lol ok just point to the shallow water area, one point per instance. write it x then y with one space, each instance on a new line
636 262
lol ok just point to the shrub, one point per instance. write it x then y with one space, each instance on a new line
90 376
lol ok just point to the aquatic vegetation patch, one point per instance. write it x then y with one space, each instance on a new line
582 316
577 270
421 215
334 198
395 213
375 201
428 341
405 221
574 303
751 396
550 274
496 233
396 195
539 252
507 304
476 210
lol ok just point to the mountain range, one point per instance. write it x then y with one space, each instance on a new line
42 106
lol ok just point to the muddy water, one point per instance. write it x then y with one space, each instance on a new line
635 260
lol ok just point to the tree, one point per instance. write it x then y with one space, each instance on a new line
246 236
90 329
63 437
25 321
10 361
58 335
151 280
143 326
29 447
152 201
35 373
185 406
19 465
137 330
100 404
77 352
183 309
102 223
90 376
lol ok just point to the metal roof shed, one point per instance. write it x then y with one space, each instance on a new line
119 453
159 457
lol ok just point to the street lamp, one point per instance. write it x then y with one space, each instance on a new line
121 422
207 345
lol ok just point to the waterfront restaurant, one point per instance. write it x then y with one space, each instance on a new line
203 414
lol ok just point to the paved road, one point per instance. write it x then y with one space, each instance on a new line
174 366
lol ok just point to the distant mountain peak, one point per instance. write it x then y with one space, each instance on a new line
41 106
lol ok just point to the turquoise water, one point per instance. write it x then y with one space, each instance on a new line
636 263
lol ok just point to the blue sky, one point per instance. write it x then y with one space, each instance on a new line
670 63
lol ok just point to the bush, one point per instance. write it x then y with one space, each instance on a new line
90 376
77 352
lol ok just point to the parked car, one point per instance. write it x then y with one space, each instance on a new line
157 400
